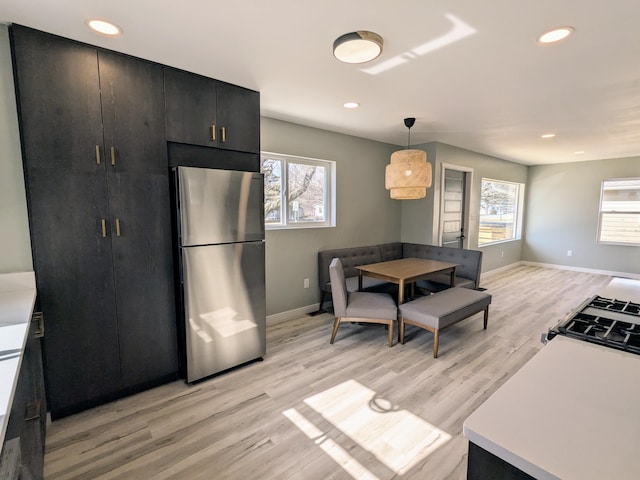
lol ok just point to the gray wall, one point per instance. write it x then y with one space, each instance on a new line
365 213
561 204
562 214
15 246
417 215
420 217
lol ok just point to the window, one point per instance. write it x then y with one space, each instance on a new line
298 191
620 212
500 211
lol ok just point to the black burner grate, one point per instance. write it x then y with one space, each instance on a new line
615 305
610 331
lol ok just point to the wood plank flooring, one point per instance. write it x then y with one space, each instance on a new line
311 410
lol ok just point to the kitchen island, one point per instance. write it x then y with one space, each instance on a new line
17 299
569 413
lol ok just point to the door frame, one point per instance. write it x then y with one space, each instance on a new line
467 199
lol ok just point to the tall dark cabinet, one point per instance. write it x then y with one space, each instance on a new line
93 139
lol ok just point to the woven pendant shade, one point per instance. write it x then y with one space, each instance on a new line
408 175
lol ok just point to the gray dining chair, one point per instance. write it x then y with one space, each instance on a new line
364 307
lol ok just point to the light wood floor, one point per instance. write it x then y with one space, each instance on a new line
310 410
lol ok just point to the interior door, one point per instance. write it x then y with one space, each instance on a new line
453 214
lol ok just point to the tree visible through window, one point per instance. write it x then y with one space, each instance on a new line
298 191
620 212
500 207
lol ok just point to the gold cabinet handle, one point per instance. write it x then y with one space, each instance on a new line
117 227
32 411
103 222
98 154
113 156
223 134
213 133
38 317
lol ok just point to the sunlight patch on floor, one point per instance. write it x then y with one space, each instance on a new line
396 437
331 448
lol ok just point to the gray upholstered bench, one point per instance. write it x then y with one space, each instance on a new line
442 309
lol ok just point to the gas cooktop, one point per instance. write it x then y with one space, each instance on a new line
610 322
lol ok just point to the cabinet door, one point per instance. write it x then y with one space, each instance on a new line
143 265
27 416
190 102
239 115
72 261
59 105
132 93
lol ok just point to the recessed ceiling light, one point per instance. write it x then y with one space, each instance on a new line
351 105
548 135
104 27
579 152
357 47
555 35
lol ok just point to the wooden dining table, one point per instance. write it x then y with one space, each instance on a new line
406 271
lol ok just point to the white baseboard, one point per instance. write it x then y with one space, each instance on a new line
498 270
297 312
586 270
290 314
564 267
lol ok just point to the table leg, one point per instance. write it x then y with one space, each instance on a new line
452 281
401 292
360 281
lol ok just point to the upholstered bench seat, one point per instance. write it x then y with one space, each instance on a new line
467 272
442 309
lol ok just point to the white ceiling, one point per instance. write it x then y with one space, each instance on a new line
493 89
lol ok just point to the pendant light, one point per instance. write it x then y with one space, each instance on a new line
408 175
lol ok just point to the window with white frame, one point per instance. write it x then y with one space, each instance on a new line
500 211
299 192
619 221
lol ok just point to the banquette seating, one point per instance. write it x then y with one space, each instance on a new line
467 273
445 306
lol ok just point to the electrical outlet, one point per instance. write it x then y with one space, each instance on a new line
569 253
306 283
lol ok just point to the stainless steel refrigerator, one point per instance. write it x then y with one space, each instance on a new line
222 268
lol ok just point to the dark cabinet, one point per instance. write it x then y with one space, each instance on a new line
93 138
27 418
206 112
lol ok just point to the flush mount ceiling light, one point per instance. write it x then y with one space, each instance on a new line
351 105
408 175
555 35
357 47
104 27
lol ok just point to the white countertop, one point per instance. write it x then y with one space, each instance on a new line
17 298
622 289
570 413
